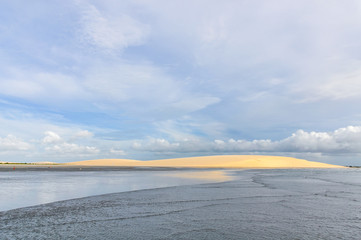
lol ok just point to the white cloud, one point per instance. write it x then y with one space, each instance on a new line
54 144
83 134
112 32
190 104
35 126
71 148
117 152
156 145
186 128
301 143
51 137
343 140
123 82
125 86
310 45
39 85
334 86
12 143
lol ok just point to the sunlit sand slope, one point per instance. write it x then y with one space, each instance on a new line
228 161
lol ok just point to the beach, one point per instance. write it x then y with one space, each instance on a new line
257 204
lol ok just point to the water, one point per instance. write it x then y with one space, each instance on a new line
27 188
258 204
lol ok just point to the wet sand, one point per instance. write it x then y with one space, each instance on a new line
260 204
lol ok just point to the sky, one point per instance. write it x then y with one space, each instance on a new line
155 79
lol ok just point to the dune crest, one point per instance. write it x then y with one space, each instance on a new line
223 161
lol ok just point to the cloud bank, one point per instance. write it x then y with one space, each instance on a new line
342 140
84 145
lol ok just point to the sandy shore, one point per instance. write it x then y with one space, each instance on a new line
224 161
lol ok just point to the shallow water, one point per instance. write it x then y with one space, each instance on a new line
259 204
27 188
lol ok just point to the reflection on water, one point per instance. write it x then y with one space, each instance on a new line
21 189
215 176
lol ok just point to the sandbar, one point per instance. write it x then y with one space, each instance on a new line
223 161
205 162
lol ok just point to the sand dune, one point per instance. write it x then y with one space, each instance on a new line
224 161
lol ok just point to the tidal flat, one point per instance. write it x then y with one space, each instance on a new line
256 204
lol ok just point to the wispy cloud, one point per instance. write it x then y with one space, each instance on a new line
12 143
114 32
336 86
117 152
127 86
35 86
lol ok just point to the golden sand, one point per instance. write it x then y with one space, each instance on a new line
224 161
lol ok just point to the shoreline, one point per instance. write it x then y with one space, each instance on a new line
69 168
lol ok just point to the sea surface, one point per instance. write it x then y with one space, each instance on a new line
28 188
257 204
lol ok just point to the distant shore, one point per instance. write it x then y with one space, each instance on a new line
223 161
64 167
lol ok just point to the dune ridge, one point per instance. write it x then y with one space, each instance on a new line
223 161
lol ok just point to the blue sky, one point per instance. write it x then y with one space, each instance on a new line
158 79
